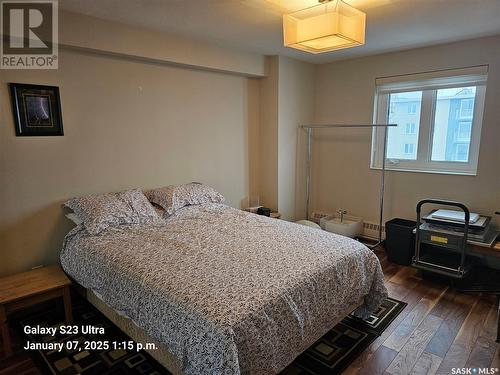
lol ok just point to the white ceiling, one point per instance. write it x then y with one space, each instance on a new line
256 25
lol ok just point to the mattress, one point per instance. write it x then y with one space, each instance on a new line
226 291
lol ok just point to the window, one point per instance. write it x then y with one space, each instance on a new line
438 117
463 131
461 152
412 108
410 128
409 148
466 107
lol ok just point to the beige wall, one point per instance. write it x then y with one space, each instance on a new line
345 94
295 106
286 101
127 124
268 135
90 33
254 104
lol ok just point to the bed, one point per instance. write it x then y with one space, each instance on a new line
225 291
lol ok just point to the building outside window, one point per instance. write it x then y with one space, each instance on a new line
461 152
412 108
463 131
449 133
409 148
410 128
466 107
399 137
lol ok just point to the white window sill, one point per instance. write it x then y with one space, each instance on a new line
460 173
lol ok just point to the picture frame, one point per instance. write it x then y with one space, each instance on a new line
36 110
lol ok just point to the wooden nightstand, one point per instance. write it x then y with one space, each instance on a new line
29 288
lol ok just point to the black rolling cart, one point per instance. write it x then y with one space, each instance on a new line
439 250
447 253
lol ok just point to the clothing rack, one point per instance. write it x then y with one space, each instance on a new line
310 128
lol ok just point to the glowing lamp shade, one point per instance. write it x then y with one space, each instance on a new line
326 27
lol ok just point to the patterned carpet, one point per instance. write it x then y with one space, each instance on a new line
341 345
329 355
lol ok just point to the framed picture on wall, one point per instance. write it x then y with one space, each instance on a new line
36 109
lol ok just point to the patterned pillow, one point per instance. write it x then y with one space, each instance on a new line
146 214
174 197
100 211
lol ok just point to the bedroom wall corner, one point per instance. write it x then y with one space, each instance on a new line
254 118
286 101
296 105
268 135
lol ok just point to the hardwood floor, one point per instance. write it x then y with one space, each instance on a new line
439 329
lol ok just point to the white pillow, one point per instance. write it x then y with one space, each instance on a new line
74 218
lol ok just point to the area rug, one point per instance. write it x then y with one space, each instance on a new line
336 350
329 355
380 319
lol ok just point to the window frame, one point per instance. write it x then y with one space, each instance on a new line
429 87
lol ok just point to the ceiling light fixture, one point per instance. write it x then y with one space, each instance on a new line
326 27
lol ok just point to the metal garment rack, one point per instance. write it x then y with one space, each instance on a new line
310 128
